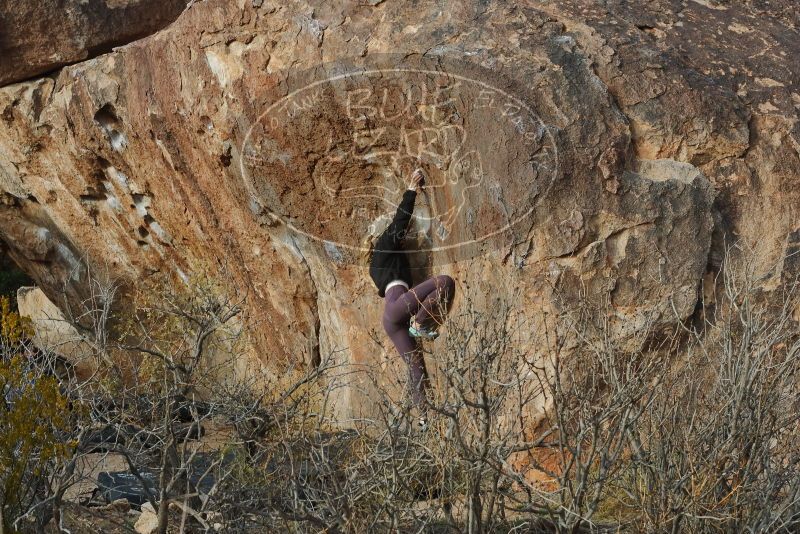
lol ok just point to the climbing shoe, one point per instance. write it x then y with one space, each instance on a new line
418 331
422 425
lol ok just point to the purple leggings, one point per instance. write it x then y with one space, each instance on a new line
429 302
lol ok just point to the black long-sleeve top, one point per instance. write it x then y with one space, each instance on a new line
389 260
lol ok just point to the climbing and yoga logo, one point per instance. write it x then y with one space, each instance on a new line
333 149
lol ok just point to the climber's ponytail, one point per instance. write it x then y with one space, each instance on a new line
367 248
375 229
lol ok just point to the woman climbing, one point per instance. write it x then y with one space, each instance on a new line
409 312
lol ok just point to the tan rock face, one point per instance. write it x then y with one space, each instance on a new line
570 150
53 333
36 37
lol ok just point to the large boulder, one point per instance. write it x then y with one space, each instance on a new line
613 157
37 37
53 332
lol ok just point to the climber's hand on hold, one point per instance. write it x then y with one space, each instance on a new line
417 179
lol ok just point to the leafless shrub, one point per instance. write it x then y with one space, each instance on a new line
718 448
144 400
598 386
536 423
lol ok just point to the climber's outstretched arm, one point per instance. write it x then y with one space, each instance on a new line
392 237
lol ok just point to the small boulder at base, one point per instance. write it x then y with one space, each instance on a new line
148 520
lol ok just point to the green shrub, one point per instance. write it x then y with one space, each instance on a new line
33 417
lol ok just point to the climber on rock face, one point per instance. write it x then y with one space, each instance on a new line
410 313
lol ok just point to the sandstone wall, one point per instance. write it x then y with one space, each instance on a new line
37 37
662 135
